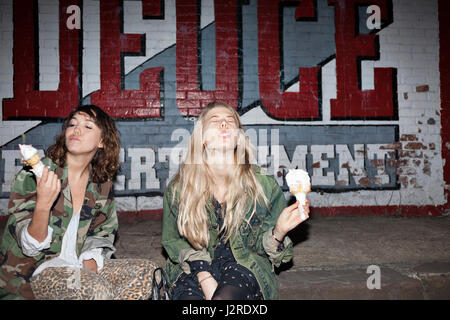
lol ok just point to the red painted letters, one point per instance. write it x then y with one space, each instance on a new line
278 104
118 102
351 48
352 102
190 99
29 101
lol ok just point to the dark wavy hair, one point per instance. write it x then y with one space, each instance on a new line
105 162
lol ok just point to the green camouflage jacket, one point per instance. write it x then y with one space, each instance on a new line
97 229
252 247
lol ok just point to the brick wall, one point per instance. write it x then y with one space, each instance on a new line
370 131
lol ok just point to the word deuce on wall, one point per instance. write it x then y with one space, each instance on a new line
147 101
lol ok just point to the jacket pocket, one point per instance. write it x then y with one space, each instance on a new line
254 229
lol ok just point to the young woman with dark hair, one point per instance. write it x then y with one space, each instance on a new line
59 238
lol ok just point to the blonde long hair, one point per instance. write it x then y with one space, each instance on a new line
195 181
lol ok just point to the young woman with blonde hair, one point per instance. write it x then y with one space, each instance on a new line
225 221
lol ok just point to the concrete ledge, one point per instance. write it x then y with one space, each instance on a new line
435 279
436 287
412 255
427 281
347 284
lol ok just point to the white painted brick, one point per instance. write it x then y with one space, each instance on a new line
125 203
93 45
434 129
149 203
9 128
93 33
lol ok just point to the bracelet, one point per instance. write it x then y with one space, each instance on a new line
204 279
273 235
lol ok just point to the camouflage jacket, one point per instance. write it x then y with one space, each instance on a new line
97 228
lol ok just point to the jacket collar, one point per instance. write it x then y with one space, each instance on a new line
63 174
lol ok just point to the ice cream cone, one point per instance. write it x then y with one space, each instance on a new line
301 197
299 185
30 157
33 161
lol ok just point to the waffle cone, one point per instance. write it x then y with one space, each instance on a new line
33 161
298 188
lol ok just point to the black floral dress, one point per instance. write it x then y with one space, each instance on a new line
224 269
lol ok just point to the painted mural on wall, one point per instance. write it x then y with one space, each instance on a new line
302 75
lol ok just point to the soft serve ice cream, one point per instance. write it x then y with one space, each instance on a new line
30 157
299 185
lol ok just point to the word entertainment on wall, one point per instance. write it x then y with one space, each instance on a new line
333 167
